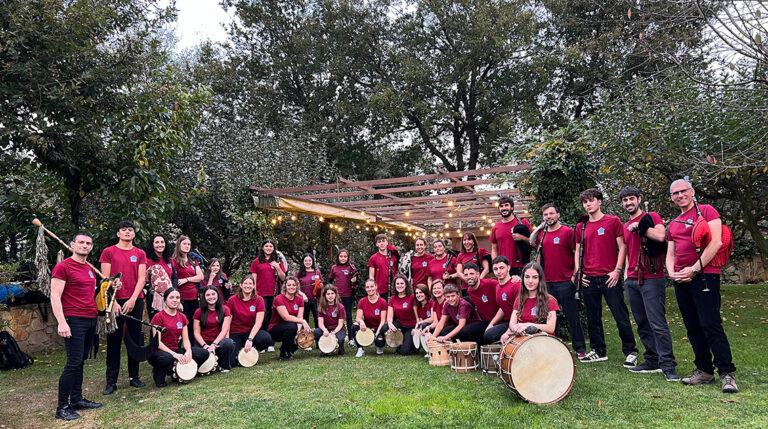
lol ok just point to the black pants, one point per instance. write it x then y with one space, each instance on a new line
268 300
115 341
348 303
225 352
472 332
593 303
701 314
378 340
77 346
407 348
285 333
310 307
190 305
149 298
339 337
494 334
515 271
261 341
564 293
162 362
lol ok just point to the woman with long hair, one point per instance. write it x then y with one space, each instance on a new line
288 317
344 275
217 278
424 306
331 315
420 262
534 307
159 253
189 274
443 266
308 276
471 252
438 302
248 315
401 314
211 326
269 271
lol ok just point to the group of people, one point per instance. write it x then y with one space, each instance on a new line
450 297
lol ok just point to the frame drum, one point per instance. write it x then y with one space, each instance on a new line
394 338
305 339
249 359
184 373
209 365
416 338
365 338
328 344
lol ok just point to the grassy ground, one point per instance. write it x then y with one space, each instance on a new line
394 391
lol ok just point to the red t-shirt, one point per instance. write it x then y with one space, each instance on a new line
506 295
475 257
438 309
77 299
307 283
600 250
341 275
419 268
174 325
212 326
332 315
529 309
126 262
462 311
632 241
372 312
244 313
426 311
438 266
501 236
188 290
403 310
380 264
680 234
557 254
265 277
219 283
484 298
291 305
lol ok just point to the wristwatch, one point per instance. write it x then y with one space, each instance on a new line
694 270
250 339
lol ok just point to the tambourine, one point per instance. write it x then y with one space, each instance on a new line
248 359
209 365
394 338
328 344
365 338
184 373
305 338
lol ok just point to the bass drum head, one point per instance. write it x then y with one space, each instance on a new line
249 359
209 365
543 369
365 338
328 344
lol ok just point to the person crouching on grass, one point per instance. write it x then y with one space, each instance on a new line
330 317
371 314
534 307
401 314
288 318
211 325
468 327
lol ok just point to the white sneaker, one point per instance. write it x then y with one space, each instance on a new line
351 343
270 349
631 360
224 371
426 355
360 352
379 351
309 349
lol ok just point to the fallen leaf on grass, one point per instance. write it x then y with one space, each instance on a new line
339 415
599 403
727 401
743 335
657 396
677 417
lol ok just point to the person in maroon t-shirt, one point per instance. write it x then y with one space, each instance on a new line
604 255
168 351
558 244
158 252
534 307
419 262
72 299
646 287
471 252
506 292
438 302
211 325
382 266
424 306
249 325
189 274
217 278
344 277
697 288
308 275
288 317
371 314
401 314
132 263
269 271
443 265
468 326
504 239
331 315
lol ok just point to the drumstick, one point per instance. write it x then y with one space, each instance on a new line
36 222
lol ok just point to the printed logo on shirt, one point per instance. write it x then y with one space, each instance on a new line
485 298
334 314
169 266
295 306
314 277
601 231
252 308
533 311
221 281
504 296
405 305
90 274
429 313
377 311
179 325
688 225
134 259
424 264
346 272
556 240
391 263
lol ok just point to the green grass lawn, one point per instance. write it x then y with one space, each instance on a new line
394 391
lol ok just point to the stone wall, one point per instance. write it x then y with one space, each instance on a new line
29 329
744 271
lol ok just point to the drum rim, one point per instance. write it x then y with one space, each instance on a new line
191 364
213 368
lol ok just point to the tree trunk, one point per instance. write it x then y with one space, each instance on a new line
750 224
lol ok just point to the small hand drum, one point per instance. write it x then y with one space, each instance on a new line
365 338
328 344
394 338
248 359
209 365
184 373
416 338
305 339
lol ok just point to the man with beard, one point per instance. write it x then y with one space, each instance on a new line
504 239
646 289
482 293
558 245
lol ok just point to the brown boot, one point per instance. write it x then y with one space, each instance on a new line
698 377
729 383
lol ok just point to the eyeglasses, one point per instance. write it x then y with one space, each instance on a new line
676 193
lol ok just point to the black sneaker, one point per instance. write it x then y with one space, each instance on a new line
135 382
671 375
631 360
85 404
645 368
66 413
109 389
592 356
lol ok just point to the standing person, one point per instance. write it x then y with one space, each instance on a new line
442 266
308 276
269 271
218 279
506 293
74 306
211 325
344 275
558 246
438 303
425 306
467 323
189 273
401 314
247 328
419 262
382 266
697 288
158 252
288 317
604 257
504 239
471 252
132 263
534 307
482 293
371 314
331 315
646 288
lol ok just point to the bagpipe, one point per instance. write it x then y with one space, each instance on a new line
652 253
392 251
580 275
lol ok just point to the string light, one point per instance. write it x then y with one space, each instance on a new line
490 221
458 231
362 213
367 229
446 225
293 217
450 203
358 227
321 219
484 217
341 229
496 204
450 214
434 235
407 214
274 221
280 218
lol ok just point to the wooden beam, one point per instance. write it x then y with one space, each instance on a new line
454 179
453 197
414 188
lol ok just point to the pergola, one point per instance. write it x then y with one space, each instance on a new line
430 203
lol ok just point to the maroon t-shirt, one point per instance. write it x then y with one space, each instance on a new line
174 325
680 234
600 250
188 290
506 295
419 268
341 275
380 264
265 277
633 242
244 313
307 282
557 254
126 262
426 311
213 325
438 266
529 309
403 310
291 305
332 315
475 257
77 299
372 312
219 283
501 236
438 309
462 311
484 298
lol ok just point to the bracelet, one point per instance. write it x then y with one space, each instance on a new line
215 344
250 339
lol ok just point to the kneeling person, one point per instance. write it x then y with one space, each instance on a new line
534 307
211 326
330 317
468 327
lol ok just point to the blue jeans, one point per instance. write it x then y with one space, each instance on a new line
564 294
593 303
71 381
648 304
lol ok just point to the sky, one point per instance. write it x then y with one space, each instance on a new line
199 20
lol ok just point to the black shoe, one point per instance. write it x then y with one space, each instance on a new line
135 382
342 352
85 404
161 383
286 357
109 389
66 413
